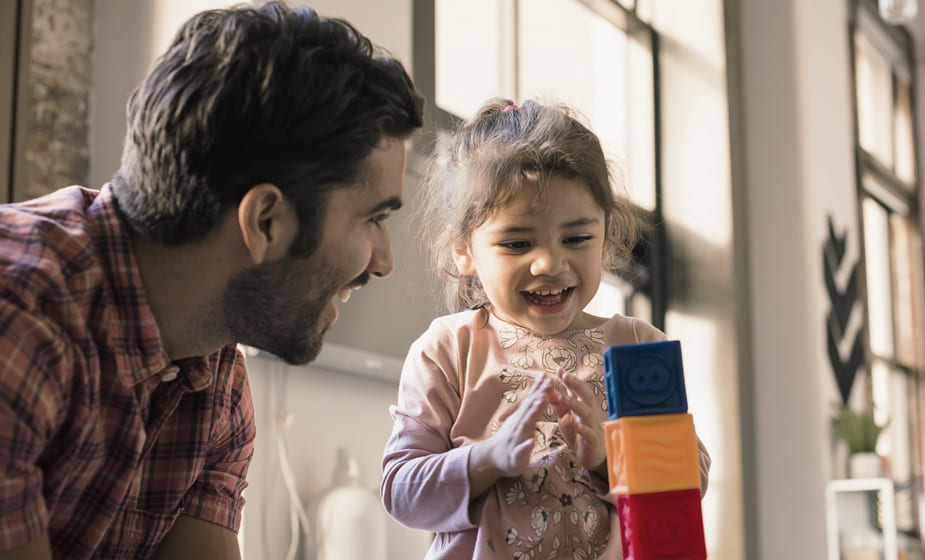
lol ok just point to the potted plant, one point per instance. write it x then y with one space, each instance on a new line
860 432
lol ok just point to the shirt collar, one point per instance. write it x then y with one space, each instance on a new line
132 331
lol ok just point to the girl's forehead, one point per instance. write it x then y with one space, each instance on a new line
538 196
517 195
562 197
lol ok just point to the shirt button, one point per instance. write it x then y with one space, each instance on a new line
169 375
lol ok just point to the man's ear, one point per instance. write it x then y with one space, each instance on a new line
462 256
268 222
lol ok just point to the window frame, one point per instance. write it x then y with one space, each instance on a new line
16 32
879 182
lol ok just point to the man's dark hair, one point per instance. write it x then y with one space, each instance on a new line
256 95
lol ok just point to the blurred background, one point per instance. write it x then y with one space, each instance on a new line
775 146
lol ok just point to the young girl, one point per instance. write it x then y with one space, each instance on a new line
498 444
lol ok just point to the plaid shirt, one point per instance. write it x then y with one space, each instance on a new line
103 440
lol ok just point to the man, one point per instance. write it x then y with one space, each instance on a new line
263 154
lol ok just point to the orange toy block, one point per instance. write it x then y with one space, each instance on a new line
656 453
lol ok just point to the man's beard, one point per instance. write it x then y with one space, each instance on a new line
276 306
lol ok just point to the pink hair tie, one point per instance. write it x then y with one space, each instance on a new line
509 107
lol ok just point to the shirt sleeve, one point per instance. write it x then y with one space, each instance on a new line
425 483
30 399
216 495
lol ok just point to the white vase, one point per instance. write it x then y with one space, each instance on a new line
349 522
865 465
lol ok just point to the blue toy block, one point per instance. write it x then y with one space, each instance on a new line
644 379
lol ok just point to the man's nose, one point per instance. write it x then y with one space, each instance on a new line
380 261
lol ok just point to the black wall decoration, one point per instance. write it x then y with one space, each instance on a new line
842 302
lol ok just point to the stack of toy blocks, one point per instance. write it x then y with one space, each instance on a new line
652 456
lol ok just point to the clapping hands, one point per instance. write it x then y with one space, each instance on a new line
507 452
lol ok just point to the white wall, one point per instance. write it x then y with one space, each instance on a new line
329 410
128 36
785 383
799 171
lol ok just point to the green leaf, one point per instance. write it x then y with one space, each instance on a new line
858 430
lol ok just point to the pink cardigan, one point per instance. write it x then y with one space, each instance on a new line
460 381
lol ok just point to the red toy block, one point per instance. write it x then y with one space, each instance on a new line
662 526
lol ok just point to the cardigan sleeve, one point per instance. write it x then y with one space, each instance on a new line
425 482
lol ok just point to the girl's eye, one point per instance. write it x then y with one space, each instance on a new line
378 219
578 239
515 245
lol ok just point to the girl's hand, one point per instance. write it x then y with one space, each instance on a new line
507 452
583 432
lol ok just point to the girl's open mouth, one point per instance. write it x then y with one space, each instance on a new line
547 298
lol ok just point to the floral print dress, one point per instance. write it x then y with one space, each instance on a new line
461 380
568 518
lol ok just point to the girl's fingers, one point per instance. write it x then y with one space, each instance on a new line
524 447
540 388
535 398
586 431
577 399
576 386
524 419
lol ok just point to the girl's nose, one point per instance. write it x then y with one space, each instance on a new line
548 262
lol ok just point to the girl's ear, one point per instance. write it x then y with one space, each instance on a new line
462 256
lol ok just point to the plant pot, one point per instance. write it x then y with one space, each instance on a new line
865 465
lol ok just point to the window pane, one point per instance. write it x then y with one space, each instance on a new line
610 297
600 72
641 307
905 140
640 137
875 100
471 58
891 393
630 4
904 299
877 261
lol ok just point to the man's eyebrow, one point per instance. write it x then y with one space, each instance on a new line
391 203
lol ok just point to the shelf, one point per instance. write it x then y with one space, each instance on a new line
887 505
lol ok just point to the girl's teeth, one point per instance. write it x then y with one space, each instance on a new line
548 297
547 292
